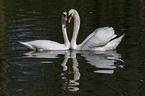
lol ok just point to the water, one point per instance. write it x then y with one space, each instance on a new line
71 73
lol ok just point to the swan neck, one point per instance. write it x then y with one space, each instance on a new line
64 32
75 30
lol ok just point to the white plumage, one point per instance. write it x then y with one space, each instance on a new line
101 39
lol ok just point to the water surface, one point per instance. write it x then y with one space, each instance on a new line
71 73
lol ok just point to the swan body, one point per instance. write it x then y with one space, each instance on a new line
101 39
44 45
48 44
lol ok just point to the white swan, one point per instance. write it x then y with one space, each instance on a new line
99 40
48 44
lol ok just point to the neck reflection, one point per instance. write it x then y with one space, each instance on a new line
71 77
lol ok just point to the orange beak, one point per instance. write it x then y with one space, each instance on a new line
69 19
65 18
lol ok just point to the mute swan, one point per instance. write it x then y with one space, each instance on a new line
99 40
48 44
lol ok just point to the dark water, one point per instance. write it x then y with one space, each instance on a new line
71 73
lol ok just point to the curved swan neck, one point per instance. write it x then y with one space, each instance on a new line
64 31
75 29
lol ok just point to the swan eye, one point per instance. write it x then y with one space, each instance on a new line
65 16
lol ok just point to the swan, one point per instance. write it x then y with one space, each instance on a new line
48 44
101 39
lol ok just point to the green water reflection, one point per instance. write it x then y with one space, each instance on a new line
3 65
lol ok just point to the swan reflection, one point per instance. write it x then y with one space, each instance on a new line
105 62
44 54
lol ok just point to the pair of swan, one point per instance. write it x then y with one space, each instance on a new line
101 39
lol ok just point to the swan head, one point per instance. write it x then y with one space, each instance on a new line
64 16
71 13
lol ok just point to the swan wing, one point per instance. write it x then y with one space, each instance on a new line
99 37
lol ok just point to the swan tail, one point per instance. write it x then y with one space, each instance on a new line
27 45
114 43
